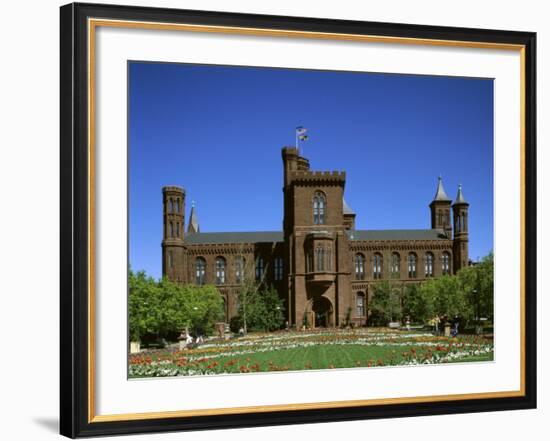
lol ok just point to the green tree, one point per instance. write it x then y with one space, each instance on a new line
416 304
248 297
263 309
476 283
274 315
386 303
165 307
203 308
143 297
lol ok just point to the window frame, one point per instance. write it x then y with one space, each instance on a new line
319 208
412 270
220 267
359 266
200 271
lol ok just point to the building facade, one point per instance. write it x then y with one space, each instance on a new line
320 264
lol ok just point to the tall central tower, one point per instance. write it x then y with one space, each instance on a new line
316 242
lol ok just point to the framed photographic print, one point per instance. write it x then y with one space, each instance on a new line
274 220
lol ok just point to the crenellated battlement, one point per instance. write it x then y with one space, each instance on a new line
334 177
173 189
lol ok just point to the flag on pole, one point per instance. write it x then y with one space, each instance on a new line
301 133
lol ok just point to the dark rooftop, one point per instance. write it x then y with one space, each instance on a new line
235 237
277 236
397 235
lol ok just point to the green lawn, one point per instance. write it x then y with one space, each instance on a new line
294 351
330 357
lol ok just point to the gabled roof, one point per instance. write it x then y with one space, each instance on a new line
234 237
440 194
347 208
435 234
277 236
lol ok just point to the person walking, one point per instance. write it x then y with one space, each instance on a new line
436 321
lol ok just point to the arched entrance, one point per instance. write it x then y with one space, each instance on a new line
322 312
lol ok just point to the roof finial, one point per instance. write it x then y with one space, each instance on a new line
460 196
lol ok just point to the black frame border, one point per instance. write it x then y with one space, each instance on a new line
74 220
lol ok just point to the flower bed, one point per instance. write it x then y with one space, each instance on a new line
321 349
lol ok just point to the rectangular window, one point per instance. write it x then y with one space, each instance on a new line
412 266
278 268
259 269
320 259
445 266
360 302
377 266
359 267
239 267
220 271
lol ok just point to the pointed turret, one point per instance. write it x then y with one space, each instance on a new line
460 196
440 194
193 221
440 209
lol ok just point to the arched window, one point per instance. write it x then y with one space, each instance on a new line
239 269
446 263
429 265
278 268
319 205
329 259
171 229
320 259
377 266
220 270
170 205
412 265
359 267
360 304
177 229
260 268
309 262
395 265
200 271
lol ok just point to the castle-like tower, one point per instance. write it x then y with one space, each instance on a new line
440 209
461 239
318 272
323 268
174 262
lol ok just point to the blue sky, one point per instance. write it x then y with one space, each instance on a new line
218 132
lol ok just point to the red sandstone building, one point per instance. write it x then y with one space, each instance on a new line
320 264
